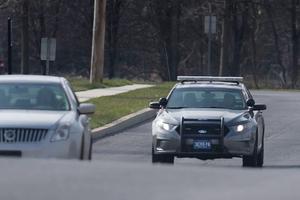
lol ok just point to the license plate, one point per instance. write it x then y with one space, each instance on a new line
202 145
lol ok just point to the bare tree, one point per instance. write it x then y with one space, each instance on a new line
25 38
295 43
113 14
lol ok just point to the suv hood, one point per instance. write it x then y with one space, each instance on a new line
30 119
175 115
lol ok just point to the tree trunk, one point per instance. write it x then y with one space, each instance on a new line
172 40
42 34
113 29
276 42
225 39
25 38
295 41
254 59
97 58
254 35
240 24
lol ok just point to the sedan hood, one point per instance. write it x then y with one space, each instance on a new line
30 119
175 115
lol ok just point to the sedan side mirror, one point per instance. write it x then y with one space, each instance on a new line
86 109
260 107
250 102
163 102
154 105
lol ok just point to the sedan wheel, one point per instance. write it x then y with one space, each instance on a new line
260 161
256 159
83 154
166 159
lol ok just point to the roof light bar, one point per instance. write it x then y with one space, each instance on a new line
210 78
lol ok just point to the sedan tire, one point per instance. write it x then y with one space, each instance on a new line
83 154
165 159
256 159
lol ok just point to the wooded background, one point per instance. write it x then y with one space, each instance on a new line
160 39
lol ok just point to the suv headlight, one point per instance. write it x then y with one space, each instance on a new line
62 133
166 126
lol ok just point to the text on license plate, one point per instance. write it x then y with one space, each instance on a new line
201 144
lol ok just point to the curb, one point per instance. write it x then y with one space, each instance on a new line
123 123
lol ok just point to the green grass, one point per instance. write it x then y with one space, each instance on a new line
81 84
112 108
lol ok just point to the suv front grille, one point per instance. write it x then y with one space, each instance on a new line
22 135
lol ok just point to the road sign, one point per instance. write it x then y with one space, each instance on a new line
48 49
48 52
210 21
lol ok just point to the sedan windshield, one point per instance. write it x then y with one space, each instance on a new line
206 98
33 97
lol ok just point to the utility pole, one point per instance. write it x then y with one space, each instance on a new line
97 59
9 46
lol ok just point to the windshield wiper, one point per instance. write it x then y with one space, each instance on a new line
179 107
217 107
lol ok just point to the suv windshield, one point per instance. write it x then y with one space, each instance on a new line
206 98
33 97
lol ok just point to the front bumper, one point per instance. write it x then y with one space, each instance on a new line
231 145
66 149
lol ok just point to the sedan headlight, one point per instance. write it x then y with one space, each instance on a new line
241 127
166 126
61 133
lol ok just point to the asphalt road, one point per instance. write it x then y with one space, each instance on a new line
121 168
282 142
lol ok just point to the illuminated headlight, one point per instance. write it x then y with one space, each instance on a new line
241 127
61 133
165 126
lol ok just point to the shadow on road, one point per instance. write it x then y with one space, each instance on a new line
281 167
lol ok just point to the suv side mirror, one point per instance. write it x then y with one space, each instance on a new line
260 107
154 105
86 109
163 102
250 102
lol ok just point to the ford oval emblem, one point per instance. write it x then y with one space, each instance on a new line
202 131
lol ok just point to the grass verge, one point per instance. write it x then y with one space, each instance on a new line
112 108
81 84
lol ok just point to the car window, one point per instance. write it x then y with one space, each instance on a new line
207 98
73 95
33 97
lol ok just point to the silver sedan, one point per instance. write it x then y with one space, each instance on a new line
40 117
209 118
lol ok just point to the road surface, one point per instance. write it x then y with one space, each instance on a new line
121 168
282 144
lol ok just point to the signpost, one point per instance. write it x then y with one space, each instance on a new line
9 46
48 52
210 27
